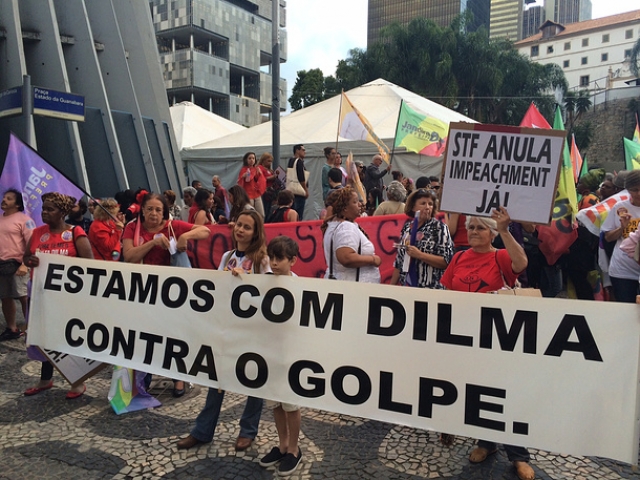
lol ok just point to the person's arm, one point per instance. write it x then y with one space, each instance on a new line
435 261
303 183
197 232
28 259
616 233
200 218
83 247
518 258
292 215
103 239
136 254
351 259
395 277
452 222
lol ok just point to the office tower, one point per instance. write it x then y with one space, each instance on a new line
442 12
217 54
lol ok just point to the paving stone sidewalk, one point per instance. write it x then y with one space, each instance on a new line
48 437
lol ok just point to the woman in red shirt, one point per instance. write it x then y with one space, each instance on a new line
106 230
56 237
252 181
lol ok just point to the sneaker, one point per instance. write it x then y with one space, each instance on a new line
9 334
289 463
271 458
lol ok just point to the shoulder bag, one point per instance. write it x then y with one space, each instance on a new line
293 184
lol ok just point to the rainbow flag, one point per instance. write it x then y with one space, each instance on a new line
420 133
631 154
127 392
576 159
354 126
556 239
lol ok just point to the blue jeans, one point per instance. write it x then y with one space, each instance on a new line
298 205
207 419
624 290
514 454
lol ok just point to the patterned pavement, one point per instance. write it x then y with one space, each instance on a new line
48 437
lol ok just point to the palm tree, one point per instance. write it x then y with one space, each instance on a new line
635 59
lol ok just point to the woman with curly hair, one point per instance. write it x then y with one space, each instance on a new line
55 237
349 253
396 194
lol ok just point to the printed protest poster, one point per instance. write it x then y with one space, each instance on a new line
487 166
553 371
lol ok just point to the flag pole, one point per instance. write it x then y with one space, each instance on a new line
339 119
395 134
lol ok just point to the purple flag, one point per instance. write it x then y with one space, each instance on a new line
29 173
412 275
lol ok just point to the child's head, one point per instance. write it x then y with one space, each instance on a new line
283 254
249 159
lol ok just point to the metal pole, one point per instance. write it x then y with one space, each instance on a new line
27 111
275 82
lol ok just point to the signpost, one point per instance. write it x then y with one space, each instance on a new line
46 102
11 102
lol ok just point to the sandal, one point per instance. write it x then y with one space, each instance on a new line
73 395
480 454
35 390
524 470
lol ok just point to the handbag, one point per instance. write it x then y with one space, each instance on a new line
517 289
178 259
8 268
293 184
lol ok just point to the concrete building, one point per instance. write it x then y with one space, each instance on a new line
217 54
593 54
104 50
442 12
506 19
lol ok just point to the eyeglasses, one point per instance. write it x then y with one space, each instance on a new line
435 187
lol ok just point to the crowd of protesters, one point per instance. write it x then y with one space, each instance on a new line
436 251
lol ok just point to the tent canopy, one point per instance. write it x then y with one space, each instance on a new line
317 127
194 125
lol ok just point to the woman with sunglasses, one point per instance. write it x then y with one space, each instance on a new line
433 247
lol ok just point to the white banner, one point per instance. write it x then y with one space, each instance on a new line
554 374
487 166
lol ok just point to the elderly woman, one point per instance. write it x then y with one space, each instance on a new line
483 268
433 248
149 239
396 193
55 237
349 253
106 230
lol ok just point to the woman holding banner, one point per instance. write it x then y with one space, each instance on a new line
431 249
152 238
349 253
248 257
55 237
483 268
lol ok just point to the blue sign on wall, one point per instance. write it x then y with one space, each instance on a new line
51 103
11 102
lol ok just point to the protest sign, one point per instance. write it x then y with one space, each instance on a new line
75 370
487 166
523 371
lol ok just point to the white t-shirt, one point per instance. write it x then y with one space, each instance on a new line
233 259
347 234
621 265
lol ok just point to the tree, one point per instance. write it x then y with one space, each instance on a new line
576 105
634 60
312 87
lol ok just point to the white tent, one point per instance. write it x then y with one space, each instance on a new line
316 127
194 125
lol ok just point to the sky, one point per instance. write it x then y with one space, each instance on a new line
321 32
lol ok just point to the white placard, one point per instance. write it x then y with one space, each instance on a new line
487 166
543 373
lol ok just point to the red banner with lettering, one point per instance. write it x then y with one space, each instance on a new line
383 231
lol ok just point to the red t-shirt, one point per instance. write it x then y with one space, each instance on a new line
105 240
193 209
43 241
157 255
469 271
255 185
460 238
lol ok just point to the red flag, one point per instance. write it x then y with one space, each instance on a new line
534 119
576 159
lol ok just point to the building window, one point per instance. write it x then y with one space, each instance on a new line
584 81
583 61
605 38
628 34
567 45
238 108
585 42
604 57
565 64
550 49
627 53
535 50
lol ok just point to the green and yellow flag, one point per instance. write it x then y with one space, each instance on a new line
420 133
631 154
